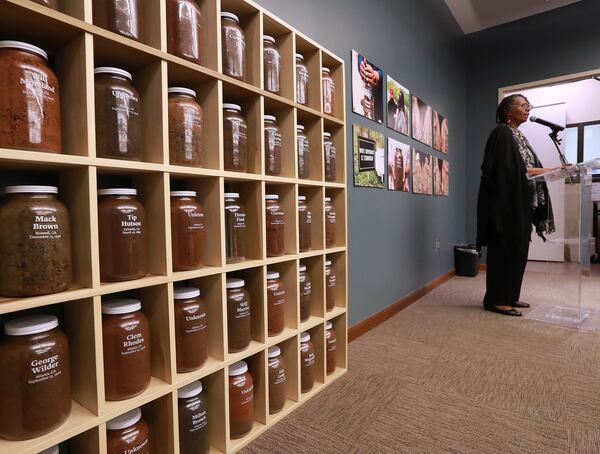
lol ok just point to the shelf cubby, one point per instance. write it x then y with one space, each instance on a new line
315 202
313 128
341 354
286 121
317 337
336 67
288 276
312 61
290 354
339 205
315 271
338 140
338 264
284 42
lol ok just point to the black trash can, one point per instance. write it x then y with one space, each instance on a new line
466 260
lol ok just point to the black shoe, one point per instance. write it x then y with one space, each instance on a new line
496 309
520 304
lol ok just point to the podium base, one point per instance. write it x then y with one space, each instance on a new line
585 319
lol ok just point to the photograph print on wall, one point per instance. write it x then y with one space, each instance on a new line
440 176
367 93
398 106
399 157
369 157
421 121
422 177
440 132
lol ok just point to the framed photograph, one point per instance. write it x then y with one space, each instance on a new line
398 107
421 121
440 132
367 92
369 157
422 173
440 176
399 158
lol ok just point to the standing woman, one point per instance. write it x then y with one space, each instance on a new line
509 203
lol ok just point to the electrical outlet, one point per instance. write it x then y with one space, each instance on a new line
437 245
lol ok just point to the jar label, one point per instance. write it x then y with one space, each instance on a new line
196 220
235 37
331 217
196 323
37 86
239 220
44 369
125 102
308 217
243 309
272 56
131 225
45 228
306 289
309 359
199 421
191 119
276 217
280 378
274 138
331 281
331 345
137 448
134 343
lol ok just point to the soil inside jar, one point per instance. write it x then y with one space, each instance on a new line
304 227
184 29
185 131
331 348
276 384
307 363
276 301
187 233
191 334
275 229
193 425
272 149
239 322
272 67
233 48
303 160
241 405
330 227
122 18
132 439
235 227
330 290
305 292
330 158
235 141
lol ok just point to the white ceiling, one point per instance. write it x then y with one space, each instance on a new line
475 15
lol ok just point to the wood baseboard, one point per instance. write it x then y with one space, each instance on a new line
357 330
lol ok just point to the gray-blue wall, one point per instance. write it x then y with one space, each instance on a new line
559 42
392 235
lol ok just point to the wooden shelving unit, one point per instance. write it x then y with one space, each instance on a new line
76 46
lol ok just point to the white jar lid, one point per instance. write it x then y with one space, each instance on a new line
328 325
31 189
231 106
112 70
271 197
121 306
125 420
183 193
304 337
272 275
191 390
51 450
299 128
325 69
117 191
328 263
300 57
183 293
233 282
23 46
30 324
231 195
274 351
327 135
238 368
270 118
230 16
302 268
302 198
269 38
181 91
327 199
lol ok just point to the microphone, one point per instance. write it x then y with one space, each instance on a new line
551 125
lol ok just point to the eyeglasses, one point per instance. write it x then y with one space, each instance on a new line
525 106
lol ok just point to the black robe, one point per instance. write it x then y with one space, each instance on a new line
505 203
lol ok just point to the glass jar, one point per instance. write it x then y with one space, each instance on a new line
328 92
235 138
276 301
35 242
191 329
235 228
329 286
239 321
121 225
35 386
126 348
303 152
330 219
29 99
185 128
193 419
187 231
184 29
272 65
118 115
118 16
331 342
276 380
272 146
305 293
241 400
275 220
307 363
234 46
330 157
49 3
301 80
128 433
304 224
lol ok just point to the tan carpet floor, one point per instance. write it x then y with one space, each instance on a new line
445 376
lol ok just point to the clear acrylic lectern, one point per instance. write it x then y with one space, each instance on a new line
572 296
